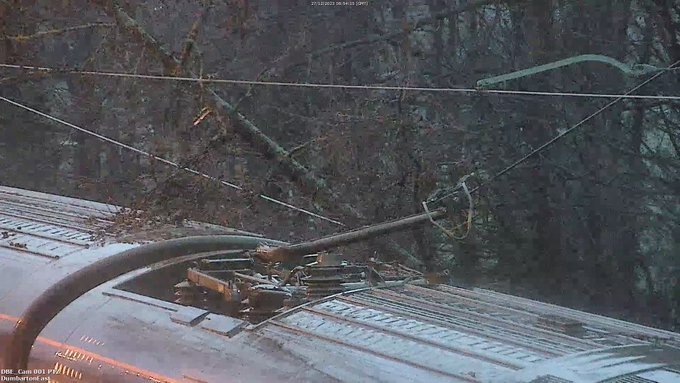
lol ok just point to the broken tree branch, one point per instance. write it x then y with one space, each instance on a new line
190 41
24 38
129 25
371 39
311 185
294 253
245 128
174 110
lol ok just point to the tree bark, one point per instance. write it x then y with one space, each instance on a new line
245 128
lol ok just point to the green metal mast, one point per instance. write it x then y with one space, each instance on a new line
634 70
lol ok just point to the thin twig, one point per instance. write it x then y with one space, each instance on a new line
470 215
471 209
442 228
24 38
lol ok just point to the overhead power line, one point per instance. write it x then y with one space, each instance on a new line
561 135
618 97
340 86
163 160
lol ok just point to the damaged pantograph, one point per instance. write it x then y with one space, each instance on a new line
79 303
238 285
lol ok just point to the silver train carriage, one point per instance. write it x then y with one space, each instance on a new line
210 313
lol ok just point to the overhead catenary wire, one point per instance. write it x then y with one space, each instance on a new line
559 136
343 86
618 97
163 160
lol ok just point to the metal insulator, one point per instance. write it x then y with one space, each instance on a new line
324 281
188 294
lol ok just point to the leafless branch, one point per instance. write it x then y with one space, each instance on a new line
243 126
372 39
24 38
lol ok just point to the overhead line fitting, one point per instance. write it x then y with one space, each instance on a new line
558 137
634 70
471 91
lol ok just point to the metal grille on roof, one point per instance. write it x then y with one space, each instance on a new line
631 379
490 325
48 226
45 230
599 331
440 335
42 203
39 246
550 379
430 330
398 347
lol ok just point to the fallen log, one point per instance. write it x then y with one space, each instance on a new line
311 185
294 253
246 129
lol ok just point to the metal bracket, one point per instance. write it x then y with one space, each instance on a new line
634 70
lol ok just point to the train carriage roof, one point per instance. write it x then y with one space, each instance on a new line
410 332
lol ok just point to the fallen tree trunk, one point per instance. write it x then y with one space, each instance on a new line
312 185
294 253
